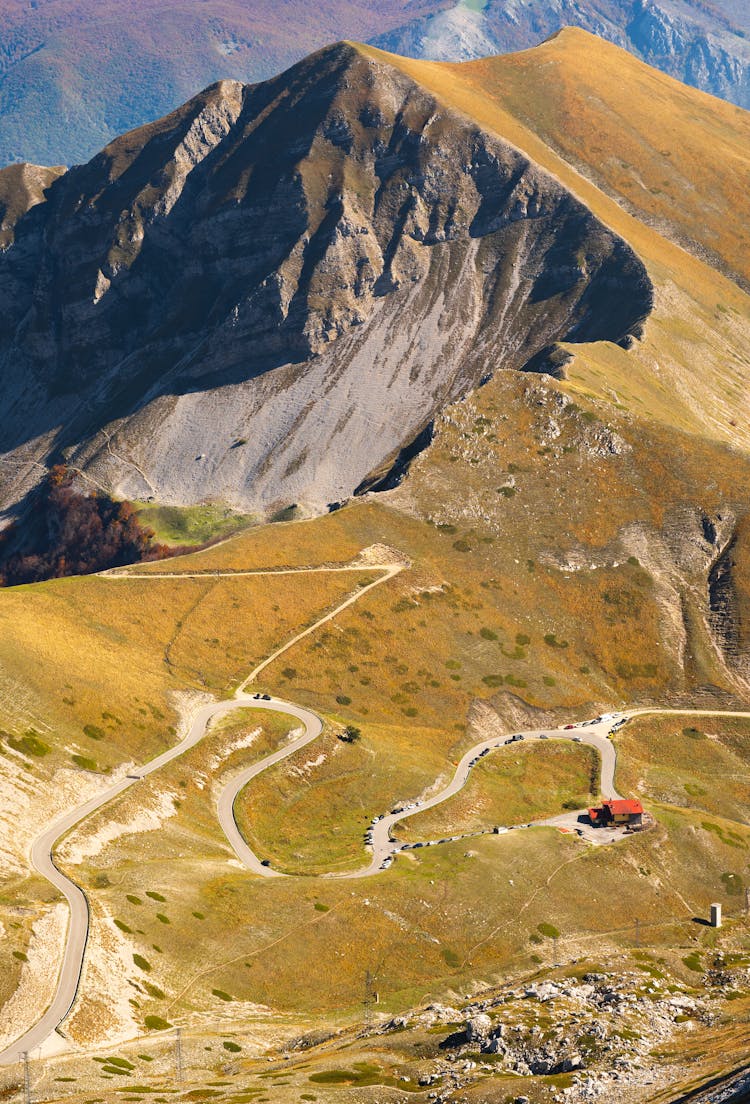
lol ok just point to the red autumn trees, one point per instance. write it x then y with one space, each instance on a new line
70 533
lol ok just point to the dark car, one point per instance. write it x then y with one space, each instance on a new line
265 862
266 697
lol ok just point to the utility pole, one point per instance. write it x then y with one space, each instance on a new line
555 961
637 932
26 1077
178 1053
370 998
747 900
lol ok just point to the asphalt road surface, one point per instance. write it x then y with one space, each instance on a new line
383 846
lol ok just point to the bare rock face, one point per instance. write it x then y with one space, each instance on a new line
266 295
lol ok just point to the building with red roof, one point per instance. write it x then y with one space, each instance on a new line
614 812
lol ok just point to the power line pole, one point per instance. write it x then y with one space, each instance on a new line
178 1053
26 1077
370 998
637 932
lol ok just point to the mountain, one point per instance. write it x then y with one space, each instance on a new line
505 301
74 74
332 256
337 254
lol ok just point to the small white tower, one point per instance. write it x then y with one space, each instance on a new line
716 916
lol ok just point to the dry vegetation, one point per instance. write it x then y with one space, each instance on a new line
555 533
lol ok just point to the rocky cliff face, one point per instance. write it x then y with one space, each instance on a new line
267 294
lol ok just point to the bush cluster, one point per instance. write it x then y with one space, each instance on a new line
70 533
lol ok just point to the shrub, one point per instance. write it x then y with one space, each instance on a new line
693 962
289 672
133 899
156 1023
548 930
84 762
233 1048
343 699
29 744
488 634
94 732
142 963
222 995
123 1063
462 546
154 895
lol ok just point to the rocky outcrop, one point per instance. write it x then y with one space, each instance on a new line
269 293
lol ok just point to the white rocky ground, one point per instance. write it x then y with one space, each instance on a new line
602 1029
38 975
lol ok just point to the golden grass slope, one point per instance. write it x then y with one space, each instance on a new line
692 369
675 157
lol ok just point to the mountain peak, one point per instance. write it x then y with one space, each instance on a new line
333 251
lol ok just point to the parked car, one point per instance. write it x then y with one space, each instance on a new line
265 862
266 697
543 736
570 726
577 740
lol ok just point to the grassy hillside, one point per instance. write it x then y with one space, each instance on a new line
674 157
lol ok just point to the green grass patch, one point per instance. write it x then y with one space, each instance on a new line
186 525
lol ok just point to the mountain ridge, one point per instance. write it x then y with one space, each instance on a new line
74 74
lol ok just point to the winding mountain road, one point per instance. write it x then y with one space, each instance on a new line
383 845
593 734
42 849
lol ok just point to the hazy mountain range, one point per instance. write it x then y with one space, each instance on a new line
74 73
